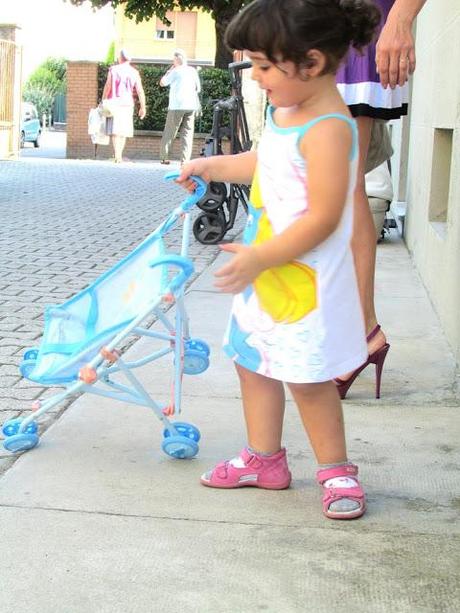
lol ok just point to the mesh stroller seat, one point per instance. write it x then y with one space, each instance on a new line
80 348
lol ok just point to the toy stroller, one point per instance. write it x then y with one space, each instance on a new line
220 203
78 349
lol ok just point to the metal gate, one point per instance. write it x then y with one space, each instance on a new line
10 98
59 109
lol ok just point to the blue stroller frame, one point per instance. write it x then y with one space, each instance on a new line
78 347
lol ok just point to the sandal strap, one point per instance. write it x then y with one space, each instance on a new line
373 333
221 469
346 470
331 494
250 460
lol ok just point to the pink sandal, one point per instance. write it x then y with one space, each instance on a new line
332 493
251 469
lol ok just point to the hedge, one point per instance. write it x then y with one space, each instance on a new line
215 84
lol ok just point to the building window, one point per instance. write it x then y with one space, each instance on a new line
440 176
163 31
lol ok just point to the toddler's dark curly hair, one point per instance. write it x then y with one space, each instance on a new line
285 30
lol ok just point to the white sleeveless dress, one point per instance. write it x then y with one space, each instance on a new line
300 322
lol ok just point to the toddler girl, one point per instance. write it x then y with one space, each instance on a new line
296 317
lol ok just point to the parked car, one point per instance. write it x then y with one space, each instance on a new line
30 125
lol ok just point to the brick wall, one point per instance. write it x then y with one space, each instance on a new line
81 97
145 145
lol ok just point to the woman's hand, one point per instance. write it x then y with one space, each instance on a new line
395 50
234 276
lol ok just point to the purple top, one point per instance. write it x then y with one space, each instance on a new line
359 67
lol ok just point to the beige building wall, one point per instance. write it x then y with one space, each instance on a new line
432 226
205 37
194 31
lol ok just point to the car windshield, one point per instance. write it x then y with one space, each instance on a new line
29 111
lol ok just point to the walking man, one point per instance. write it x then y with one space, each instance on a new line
184 85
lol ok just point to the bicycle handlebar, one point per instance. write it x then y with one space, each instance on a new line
239 65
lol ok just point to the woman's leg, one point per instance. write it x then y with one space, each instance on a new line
118 147
263 404
364 243
364 240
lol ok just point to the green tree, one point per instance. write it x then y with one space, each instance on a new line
221 11
48 80
58 67
110 57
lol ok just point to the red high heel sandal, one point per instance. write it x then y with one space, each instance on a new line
377 358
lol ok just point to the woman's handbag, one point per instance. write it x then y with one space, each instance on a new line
109 107
97 127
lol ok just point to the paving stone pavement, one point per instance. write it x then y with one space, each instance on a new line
63 223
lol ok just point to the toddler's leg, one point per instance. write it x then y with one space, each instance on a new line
263 463
263 404
321 413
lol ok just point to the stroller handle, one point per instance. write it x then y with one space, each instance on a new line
184 264
192 199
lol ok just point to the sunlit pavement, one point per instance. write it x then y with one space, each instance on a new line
97 519
52 146
65 222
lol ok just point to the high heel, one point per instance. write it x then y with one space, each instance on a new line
377 358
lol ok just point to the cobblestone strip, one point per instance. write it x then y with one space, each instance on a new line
64 223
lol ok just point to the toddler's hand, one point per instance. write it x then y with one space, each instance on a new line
197 167
242 269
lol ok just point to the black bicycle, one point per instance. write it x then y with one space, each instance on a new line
220 203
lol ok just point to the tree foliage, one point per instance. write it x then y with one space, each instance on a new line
110 57
48 80
52 74
221 11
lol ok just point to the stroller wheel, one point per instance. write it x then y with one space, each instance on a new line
30 354
26 367
195 362
20 442
209 228
180 447
184 429
11 427
198 345
214 197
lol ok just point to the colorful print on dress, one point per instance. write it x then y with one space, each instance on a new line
239 349
288 292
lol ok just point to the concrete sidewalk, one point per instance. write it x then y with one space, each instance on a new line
98 519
